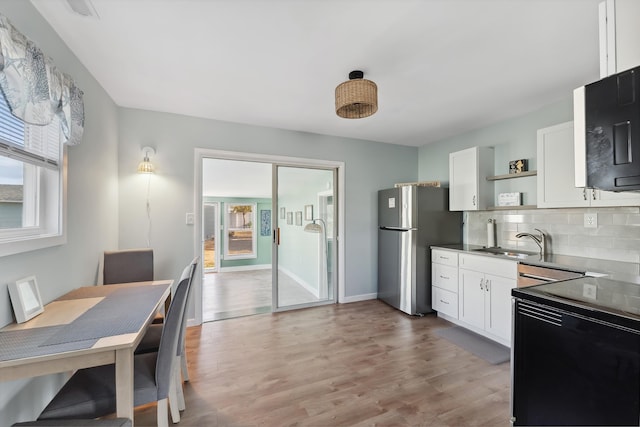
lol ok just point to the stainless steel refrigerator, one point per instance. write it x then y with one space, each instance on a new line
410 220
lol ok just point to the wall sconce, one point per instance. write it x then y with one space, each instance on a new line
145 166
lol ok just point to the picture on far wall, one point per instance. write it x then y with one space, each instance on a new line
289 218
308 212
299 218
283 213
265 222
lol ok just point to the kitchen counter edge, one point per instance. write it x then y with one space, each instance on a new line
618 270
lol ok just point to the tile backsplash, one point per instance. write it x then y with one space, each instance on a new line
616 237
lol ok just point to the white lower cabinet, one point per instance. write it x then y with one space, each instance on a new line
484 297
444 280
445 302
485 303
474 291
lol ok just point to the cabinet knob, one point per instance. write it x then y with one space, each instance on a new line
444 277
474 200
593 194
584 193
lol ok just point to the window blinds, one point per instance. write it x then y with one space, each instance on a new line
37 145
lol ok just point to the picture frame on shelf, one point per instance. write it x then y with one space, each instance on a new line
25 298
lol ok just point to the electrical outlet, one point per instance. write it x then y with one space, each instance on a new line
591 220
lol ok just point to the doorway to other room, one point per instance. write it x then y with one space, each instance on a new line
236 249
268 237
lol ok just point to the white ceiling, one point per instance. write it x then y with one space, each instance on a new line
442 67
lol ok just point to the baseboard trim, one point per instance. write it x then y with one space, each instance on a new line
245 268
357 298
313 291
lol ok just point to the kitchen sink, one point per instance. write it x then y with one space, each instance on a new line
511 253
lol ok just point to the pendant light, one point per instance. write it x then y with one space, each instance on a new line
357 97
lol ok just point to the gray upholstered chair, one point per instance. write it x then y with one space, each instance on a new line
151 342
91 392
127 265
111 422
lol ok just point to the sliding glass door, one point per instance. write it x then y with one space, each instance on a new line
304 250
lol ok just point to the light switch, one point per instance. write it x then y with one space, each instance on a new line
189 218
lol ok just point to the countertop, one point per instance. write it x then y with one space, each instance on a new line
613 301
616 270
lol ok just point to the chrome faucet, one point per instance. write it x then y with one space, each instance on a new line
540 240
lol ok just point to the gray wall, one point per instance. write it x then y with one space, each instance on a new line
369 166
617 236
512 139
92 215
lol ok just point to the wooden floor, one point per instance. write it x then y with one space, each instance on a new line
243 293
358 364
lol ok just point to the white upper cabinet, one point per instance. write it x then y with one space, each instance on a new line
469 189
619 36
556 172
556 169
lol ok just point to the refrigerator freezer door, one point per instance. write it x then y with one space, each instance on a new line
396 207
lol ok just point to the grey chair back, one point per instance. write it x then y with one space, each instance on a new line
127 265
192 272
171 333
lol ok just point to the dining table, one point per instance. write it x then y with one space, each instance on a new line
88 326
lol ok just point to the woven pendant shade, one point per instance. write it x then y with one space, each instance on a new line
357 97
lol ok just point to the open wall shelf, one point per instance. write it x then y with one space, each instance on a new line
512 175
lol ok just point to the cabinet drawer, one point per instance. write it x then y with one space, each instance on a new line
444 257
445 302
445 277
489 265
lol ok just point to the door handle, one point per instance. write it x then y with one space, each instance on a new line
486 285
584 193
278 237
481 282
474 200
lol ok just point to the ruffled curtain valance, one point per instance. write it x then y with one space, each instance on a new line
34 88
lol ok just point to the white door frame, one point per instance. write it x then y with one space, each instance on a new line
203 153
322 246
216 231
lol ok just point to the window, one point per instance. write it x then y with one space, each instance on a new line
31 184
241 231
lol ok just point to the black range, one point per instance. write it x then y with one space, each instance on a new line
576 353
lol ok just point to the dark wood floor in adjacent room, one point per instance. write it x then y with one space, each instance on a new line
359 364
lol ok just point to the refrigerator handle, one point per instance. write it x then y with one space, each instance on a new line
397 229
